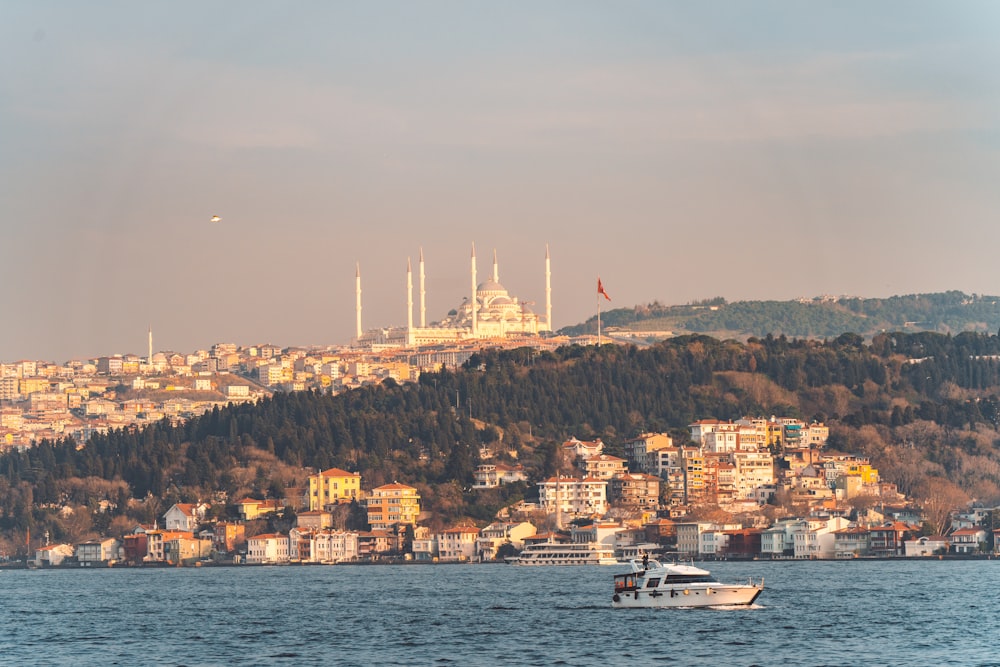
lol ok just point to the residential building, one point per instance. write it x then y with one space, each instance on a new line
817 538
52 555
499 533
424 546
228 537
184 516
967 540
267 548
157 541
392 504
635 489
572 497
689 536
457 544
602 466
579 449
333 486
887 540
752 471
249 509
637 450
316 520
186 549
98 552
851 542
926 545
492 475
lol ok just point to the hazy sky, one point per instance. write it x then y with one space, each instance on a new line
680 150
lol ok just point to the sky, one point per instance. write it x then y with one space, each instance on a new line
678 150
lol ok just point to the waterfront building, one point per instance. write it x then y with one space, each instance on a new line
157 541
98 552
268 548
967 540
887 540
457 544
816 538
52 555
926 545
498 533
228 536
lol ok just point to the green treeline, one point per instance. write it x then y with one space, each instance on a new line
943 312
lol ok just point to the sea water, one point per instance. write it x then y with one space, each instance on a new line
899 612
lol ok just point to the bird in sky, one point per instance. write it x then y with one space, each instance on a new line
216 218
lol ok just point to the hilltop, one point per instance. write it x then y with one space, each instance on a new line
820 317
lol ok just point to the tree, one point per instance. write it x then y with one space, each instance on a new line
940 497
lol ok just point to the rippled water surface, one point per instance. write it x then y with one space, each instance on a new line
811 613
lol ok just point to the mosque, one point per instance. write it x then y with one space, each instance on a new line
489 312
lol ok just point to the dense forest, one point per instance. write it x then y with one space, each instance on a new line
923 406
946 312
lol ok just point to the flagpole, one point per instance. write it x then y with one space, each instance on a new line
598 315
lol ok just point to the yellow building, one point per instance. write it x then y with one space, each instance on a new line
392 504
33 385
333 486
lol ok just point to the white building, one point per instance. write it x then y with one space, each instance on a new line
572 497
457 544
268 548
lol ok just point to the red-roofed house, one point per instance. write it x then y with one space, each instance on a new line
580 449
52 555
967 540
888 540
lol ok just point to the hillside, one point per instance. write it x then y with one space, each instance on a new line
922 406
822 317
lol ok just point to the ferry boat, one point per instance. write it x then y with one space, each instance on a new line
652 584
565 553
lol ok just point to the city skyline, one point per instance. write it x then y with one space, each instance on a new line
766 150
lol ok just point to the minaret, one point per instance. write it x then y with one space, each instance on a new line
409 300
149 359
474 303
423 294
357 291
548 289
496 271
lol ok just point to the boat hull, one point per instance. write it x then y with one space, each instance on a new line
715 595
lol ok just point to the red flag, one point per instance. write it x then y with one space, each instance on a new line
600 289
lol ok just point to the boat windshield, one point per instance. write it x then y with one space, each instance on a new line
690 578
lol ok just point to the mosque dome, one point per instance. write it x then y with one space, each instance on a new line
491 286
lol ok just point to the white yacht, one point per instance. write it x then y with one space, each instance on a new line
652 584
565 553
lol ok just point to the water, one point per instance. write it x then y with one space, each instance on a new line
811 613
